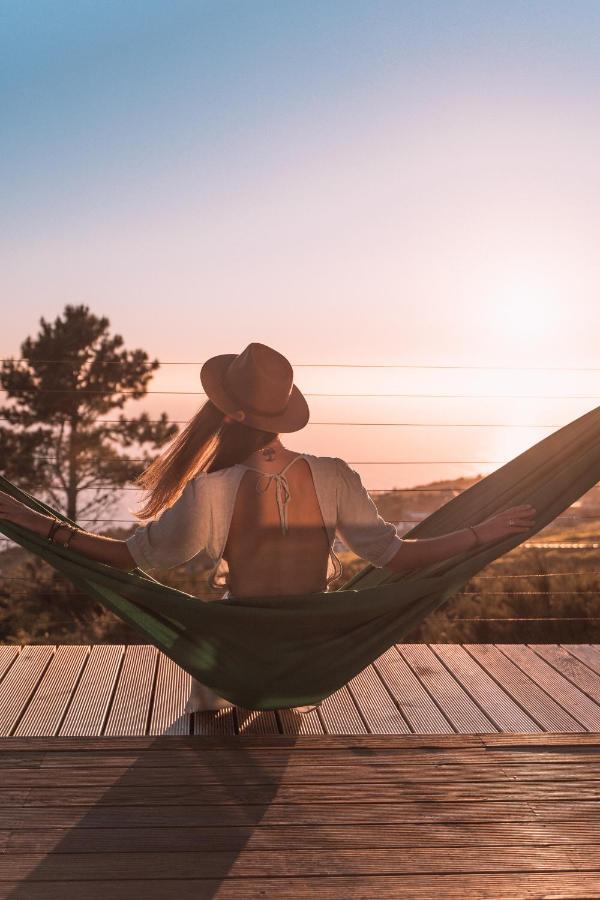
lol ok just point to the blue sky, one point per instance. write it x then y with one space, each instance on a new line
346 181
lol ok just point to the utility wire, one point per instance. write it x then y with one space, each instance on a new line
529 619
438 396
367 424
522 575
354 462
350 365
105 393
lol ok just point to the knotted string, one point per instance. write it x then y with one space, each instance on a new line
282 489
282 494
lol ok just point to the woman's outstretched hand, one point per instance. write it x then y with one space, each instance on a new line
498 526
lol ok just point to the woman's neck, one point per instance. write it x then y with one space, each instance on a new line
268 456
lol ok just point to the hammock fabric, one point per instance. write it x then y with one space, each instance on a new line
278 652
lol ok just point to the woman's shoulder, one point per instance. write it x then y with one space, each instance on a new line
329 464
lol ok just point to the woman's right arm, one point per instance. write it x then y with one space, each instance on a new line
416 553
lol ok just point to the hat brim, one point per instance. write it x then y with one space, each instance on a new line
212 375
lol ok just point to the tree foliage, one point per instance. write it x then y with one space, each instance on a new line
54 443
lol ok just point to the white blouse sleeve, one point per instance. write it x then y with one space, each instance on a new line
178 534
359 524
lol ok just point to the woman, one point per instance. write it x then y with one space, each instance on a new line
265 517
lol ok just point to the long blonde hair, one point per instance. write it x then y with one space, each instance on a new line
210 441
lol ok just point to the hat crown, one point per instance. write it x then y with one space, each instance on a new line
260 379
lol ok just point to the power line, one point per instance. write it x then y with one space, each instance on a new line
367 424
87 391
348 365
415 521
526 575
527 593
547 545
380 395
541 575
561 545
355 462
529 619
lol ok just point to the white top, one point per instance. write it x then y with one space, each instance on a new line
199 520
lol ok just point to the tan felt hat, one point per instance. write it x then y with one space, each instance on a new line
256 387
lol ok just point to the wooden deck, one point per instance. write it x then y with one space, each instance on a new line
248 816
445 770
117 690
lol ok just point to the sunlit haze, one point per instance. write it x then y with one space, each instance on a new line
372 183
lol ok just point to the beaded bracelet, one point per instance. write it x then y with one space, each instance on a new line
72 530
53 529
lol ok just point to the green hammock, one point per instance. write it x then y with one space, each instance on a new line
276 652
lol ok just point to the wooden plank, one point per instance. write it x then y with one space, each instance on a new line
263 863
559 811
575 702
339 714
130 709
19 684
8 654
299 837
547 742
291 722
491 886
172 688
90 703
15 815
53 694
489 696
121 794
375 704
365 772
334 758
255 721
21 760
587 653
554 761
327 742
219 721
542 708
417 707
571 667
450 696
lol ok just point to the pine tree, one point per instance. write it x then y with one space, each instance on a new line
55 445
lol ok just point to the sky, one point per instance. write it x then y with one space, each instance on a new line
357 184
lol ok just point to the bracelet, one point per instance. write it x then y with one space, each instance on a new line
477 538
53 529
72 530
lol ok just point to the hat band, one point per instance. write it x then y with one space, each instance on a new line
247 407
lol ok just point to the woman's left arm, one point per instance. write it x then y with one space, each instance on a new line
95 546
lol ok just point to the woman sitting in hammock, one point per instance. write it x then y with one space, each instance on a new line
265 517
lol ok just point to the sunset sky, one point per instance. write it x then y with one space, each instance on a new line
374 183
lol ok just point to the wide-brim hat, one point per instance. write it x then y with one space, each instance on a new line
256 387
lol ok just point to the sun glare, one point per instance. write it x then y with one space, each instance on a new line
526 309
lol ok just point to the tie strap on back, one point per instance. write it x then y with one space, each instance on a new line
282 489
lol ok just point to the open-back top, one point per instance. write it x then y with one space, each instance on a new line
199 520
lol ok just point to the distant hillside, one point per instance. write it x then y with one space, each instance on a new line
402 507
418 502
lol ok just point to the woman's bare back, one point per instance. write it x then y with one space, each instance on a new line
262 559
